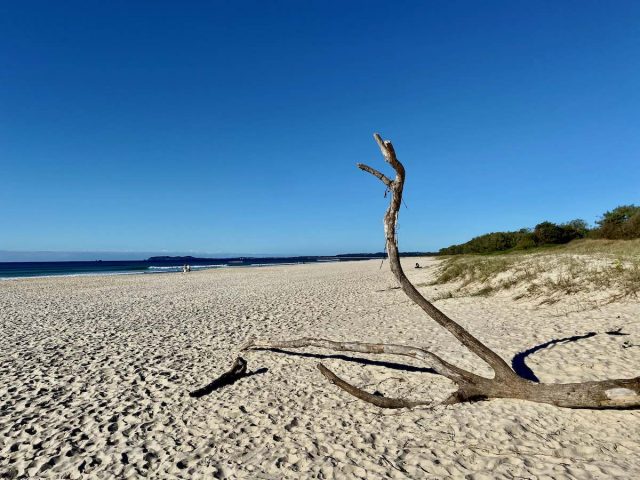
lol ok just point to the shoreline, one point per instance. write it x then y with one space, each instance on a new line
152 271
13 270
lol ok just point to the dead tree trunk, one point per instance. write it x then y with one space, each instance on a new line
619 393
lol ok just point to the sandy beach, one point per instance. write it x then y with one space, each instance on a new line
96 373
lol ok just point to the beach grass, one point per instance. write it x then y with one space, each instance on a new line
610 268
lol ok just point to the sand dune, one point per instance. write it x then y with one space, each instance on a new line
96 373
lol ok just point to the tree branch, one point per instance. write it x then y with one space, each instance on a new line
377 400
500 367
376 173
441 367
389 153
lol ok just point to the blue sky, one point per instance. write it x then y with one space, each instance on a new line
235 126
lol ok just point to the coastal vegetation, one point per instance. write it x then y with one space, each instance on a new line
605 270
622 222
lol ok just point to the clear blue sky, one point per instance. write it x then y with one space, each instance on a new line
236 126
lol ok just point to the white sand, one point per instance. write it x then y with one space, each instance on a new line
96 373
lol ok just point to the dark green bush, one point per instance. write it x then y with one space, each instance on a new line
526 241
579 226
545 233
622 222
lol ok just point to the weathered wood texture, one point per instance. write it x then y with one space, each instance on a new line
618 393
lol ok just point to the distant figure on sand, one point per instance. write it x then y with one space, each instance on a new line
184 268
188 268
418 265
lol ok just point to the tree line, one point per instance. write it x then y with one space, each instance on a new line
622 222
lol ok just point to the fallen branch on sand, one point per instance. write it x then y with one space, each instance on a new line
618 393
236 372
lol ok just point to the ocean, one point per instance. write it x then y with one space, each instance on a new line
150 266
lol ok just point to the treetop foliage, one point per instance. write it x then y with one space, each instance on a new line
622 222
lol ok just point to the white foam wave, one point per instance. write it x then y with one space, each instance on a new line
201 267
88 274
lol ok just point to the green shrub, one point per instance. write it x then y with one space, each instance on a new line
622 222
547 233
526 241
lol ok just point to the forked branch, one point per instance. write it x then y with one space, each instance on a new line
500 367
618 393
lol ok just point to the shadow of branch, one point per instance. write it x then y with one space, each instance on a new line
224 381
363 361
522 369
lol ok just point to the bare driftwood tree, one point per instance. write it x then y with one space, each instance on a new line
618 393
